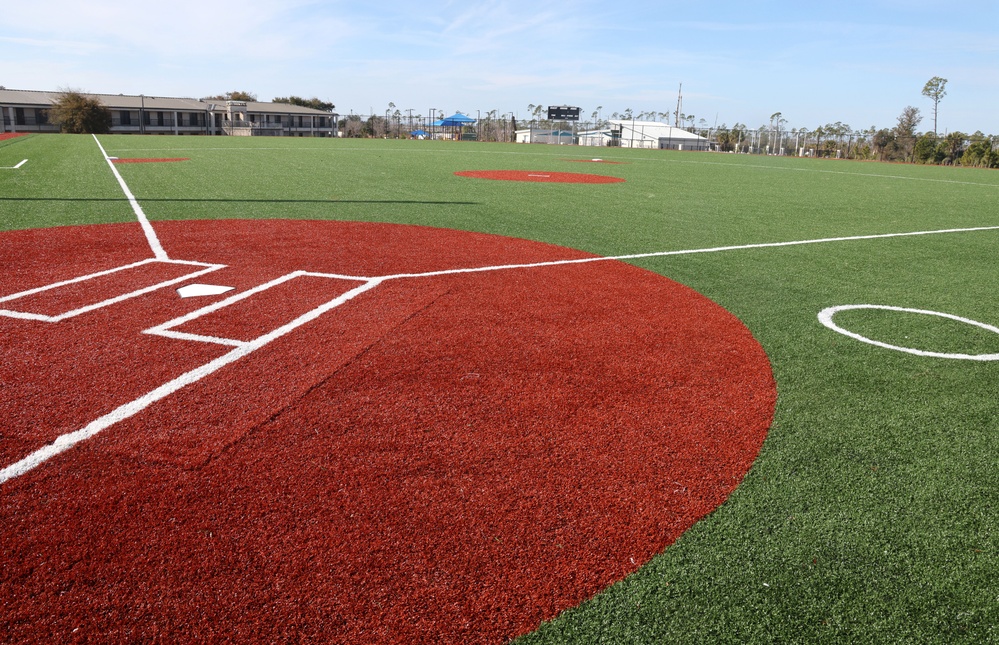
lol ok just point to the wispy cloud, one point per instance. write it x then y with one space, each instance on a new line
858 62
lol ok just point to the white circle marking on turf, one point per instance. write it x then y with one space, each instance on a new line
826 318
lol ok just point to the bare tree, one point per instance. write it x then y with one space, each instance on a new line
596 116
905 131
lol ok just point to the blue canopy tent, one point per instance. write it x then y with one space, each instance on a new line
456 120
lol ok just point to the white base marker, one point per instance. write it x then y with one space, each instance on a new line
197 289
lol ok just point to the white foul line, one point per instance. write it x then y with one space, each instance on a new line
14 167
716 249
67 441
147 228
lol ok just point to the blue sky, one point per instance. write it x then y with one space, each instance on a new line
860 63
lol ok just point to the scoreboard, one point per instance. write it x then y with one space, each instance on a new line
563 113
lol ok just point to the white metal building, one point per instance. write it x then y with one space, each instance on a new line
643 134
538 135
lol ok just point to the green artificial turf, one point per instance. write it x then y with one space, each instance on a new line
64 182
871 513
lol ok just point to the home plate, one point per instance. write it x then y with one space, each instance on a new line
194 290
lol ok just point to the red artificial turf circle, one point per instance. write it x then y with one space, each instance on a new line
4 136
448 459
543 176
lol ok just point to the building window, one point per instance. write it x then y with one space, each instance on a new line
19 116
126 117
159 118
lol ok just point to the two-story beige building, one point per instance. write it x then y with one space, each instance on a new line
28 111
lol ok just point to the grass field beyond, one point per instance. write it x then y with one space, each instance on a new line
872 512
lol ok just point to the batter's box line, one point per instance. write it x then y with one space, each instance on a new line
10 313
17 167
130 409
166 329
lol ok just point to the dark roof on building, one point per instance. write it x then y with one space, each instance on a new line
32 98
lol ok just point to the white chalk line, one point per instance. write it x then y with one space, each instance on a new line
826 318
67 441
147 228
716 249
17 167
